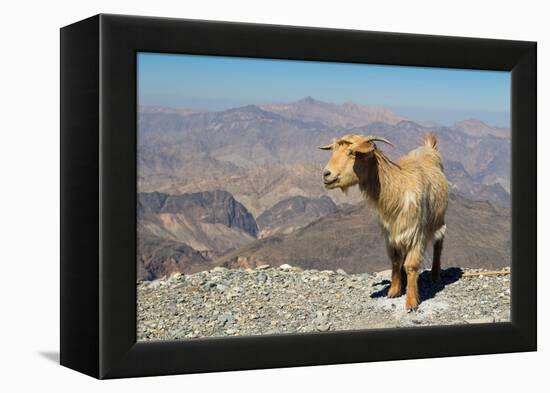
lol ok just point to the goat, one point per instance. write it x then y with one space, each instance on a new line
410 197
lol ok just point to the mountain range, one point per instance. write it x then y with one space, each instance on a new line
244 185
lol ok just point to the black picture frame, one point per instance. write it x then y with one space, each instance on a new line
98 196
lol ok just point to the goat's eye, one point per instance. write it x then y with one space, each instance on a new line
351 153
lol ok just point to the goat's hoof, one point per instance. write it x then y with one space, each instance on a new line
394 292
411 305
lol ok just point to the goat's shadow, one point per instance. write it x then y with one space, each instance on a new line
426 288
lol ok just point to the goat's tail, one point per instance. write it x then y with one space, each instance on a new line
430 139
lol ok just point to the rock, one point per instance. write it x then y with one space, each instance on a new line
226 319
341 271
175 276
262 267
155 284
324 327
285 267
219 269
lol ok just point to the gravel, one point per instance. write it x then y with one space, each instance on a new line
266 300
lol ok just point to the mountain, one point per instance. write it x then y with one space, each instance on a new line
462 183
293 213
176 231
346 115
210 220
207 208
476 127
158 257
478 235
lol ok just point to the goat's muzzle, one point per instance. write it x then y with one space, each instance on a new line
328 178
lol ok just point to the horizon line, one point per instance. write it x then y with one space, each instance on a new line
198 109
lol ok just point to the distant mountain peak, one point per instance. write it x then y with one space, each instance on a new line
471 122
245 112
476 127
247 108
308 100
407 124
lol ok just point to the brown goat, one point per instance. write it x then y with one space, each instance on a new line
410 197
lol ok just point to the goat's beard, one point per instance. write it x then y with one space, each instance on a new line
345 190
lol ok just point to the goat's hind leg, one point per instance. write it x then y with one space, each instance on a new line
438 247
412 264
396 286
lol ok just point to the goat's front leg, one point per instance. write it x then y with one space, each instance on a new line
412 264
396 266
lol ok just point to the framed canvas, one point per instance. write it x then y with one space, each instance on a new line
203 230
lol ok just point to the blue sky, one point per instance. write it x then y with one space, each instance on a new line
418 93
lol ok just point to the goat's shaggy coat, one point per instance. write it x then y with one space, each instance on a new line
410 197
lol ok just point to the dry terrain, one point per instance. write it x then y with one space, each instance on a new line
224 302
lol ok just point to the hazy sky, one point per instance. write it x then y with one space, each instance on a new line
418 93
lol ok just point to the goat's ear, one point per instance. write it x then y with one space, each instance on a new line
362 147
326 147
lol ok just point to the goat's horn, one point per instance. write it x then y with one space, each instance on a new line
328 147
372 138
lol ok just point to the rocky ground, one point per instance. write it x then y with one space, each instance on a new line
265 300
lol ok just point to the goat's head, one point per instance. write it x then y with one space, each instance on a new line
349 156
